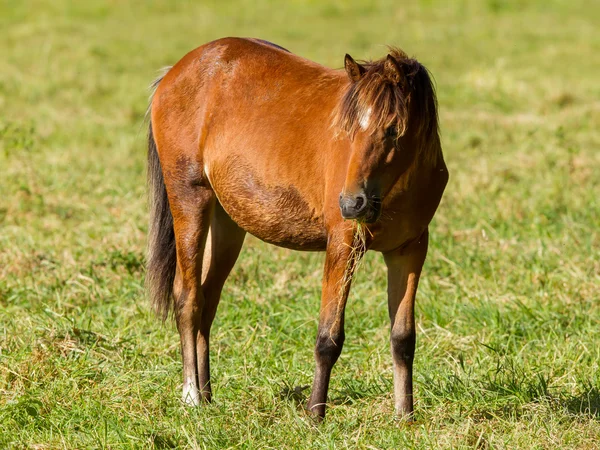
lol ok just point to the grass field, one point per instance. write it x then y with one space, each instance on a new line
508 316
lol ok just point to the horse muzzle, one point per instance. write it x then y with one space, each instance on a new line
360 207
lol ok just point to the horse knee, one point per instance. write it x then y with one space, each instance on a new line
329 346
403 345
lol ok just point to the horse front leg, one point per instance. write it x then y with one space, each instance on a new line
404 268
343 253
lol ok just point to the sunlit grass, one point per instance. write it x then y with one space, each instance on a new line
508 310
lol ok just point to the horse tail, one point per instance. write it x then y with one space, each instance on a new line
162 258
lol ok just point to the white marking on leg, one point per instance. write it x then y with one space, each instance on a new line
190 396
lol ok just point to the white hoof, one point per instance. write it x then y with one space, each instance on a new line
191 396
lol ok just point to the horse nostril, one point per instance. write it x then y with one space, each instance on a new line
353 206
359 202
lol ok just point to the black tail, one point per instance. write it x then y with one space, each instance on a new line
162 260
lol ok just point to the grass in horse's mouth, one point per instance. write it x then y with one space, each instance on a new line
357 249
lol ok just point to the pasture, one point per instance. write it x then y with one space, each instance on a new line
508 308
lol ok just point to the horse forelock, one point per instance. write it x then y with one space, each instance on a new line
375 102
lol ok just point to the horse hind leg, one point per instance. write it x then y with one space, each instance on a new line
223 245
192 209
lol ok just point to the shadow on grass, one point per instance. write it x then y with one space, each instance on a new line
587 404
163 441
349 393
354 390
584 406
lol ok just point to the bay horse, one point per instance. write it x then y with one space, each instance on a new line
245 136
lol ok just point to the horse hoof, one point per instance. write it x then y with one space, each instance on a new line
190 396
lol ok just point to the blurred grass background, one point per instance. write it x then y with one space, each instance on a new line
508 309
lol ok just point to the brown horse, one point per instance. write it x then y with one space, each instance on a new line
245 136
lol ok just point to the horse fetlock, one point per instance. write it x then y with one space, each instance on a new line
191 395
404 411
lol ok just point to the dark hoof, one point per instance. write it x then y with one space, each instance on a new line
316 413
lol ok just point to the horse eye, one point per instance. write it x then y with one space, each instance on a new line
391 132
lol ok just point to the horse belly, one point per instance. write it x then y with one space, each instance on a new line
277 214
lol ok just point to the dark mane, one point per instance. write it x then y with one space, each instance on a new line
409 105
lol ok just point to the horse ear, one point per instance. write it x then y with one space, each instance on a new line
391 70
354 70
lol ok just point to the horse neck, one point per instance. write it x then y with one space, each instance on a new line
424 156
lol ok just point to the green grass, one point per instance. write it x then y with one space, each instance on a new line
508 309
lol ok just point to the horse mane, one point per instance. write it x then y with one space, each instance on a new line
375 102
